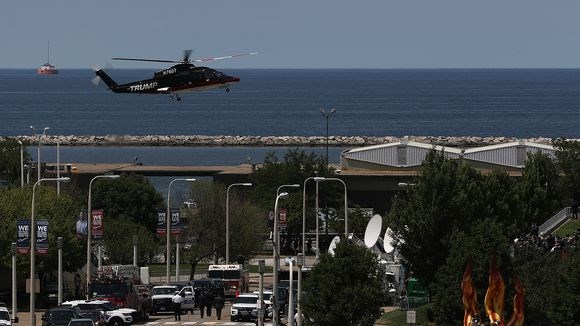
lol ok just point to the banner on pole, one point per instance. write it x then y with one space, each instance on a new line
23 233
97 224
161 227
42 237
175 221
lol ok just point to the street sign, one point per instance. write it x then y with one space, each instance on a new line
411 317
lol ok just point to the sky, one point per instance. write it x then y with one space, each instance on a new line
294 33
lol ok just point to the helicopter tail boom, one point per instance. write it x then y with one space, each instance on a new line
108 80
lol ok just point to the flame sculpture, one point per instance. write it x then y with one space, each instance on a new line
494 298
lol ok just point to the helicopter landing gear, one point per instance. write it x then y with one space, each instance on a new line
177 98
227 90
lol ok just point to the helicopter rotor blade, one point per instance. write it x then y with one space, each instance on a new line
225 57
186 54
147 60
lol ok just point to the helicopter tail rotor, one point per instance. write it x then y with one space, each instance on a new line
97 79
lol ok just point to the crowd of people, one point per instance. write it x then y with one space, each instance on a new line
565 245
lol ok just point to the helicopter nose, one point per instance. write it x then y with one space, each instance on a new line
235 79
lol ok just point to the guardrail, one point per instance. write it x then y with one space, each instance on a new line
555 221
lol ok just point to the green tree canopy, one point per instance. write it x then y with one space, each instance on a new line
344 289
204 234
60 211
118 241
131 197
10 159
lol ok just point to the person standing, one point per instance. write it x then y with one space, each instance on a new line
209 303
218 303
177 300
201 302
575 209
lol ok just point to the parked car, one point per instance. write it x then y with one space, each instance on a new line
211 285
5 317
245 307
114 315
60 316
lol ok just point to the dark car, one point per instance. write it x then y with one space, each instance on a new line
211 285
60 316
49 294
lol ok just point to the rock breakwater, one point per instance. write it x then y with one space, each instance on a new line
291 141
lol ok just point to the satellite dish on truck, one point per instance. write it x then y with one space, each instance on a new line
387 240
373 230
333 244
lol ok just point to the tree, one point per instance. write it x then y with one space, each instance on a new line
10 159
294 168
60 211
538 189
118 241
204 233
568 163
130 197
345 289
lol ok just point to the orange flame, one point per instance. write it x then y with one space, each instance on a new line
468 295
494 297
518 315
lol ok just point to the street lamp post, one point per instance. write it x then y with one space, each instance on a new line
245 184
295 185
89 227
168 226
327 115
276 260
33 249
21 164
345 201
38 150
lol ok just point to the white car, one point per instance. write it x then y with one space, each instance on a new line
267 296
5 317
114 315
245 307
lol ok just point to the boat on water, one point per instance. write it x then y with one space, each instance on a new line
47 68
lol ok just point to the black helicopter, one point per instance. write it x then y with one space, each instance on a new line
180 78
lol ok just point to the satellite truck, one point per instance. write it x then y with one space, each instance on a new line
118 284
236 279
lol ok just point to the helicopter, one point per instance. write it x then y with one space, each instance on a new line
180 78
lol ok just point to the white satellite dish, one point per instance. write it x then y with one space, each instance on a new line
387 240
333 244
373 230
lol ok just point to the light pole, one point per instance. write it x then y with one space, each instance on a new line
299 263
168 226
14 310
276 260
33 249
295 185
327 115
59 282
89 227
245 184
21 164
38 150
345 201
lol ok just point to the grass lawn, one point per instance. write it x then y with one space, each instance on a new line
399 317
568 228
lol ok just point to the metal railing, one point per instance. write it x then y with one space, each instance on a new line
555 221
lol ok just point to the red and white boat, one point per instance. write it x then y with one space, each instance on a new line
47 68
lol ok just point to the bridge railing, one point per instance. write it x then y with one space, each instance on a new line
555 221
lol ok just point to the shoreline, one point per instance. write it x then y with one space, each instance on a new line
267 141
